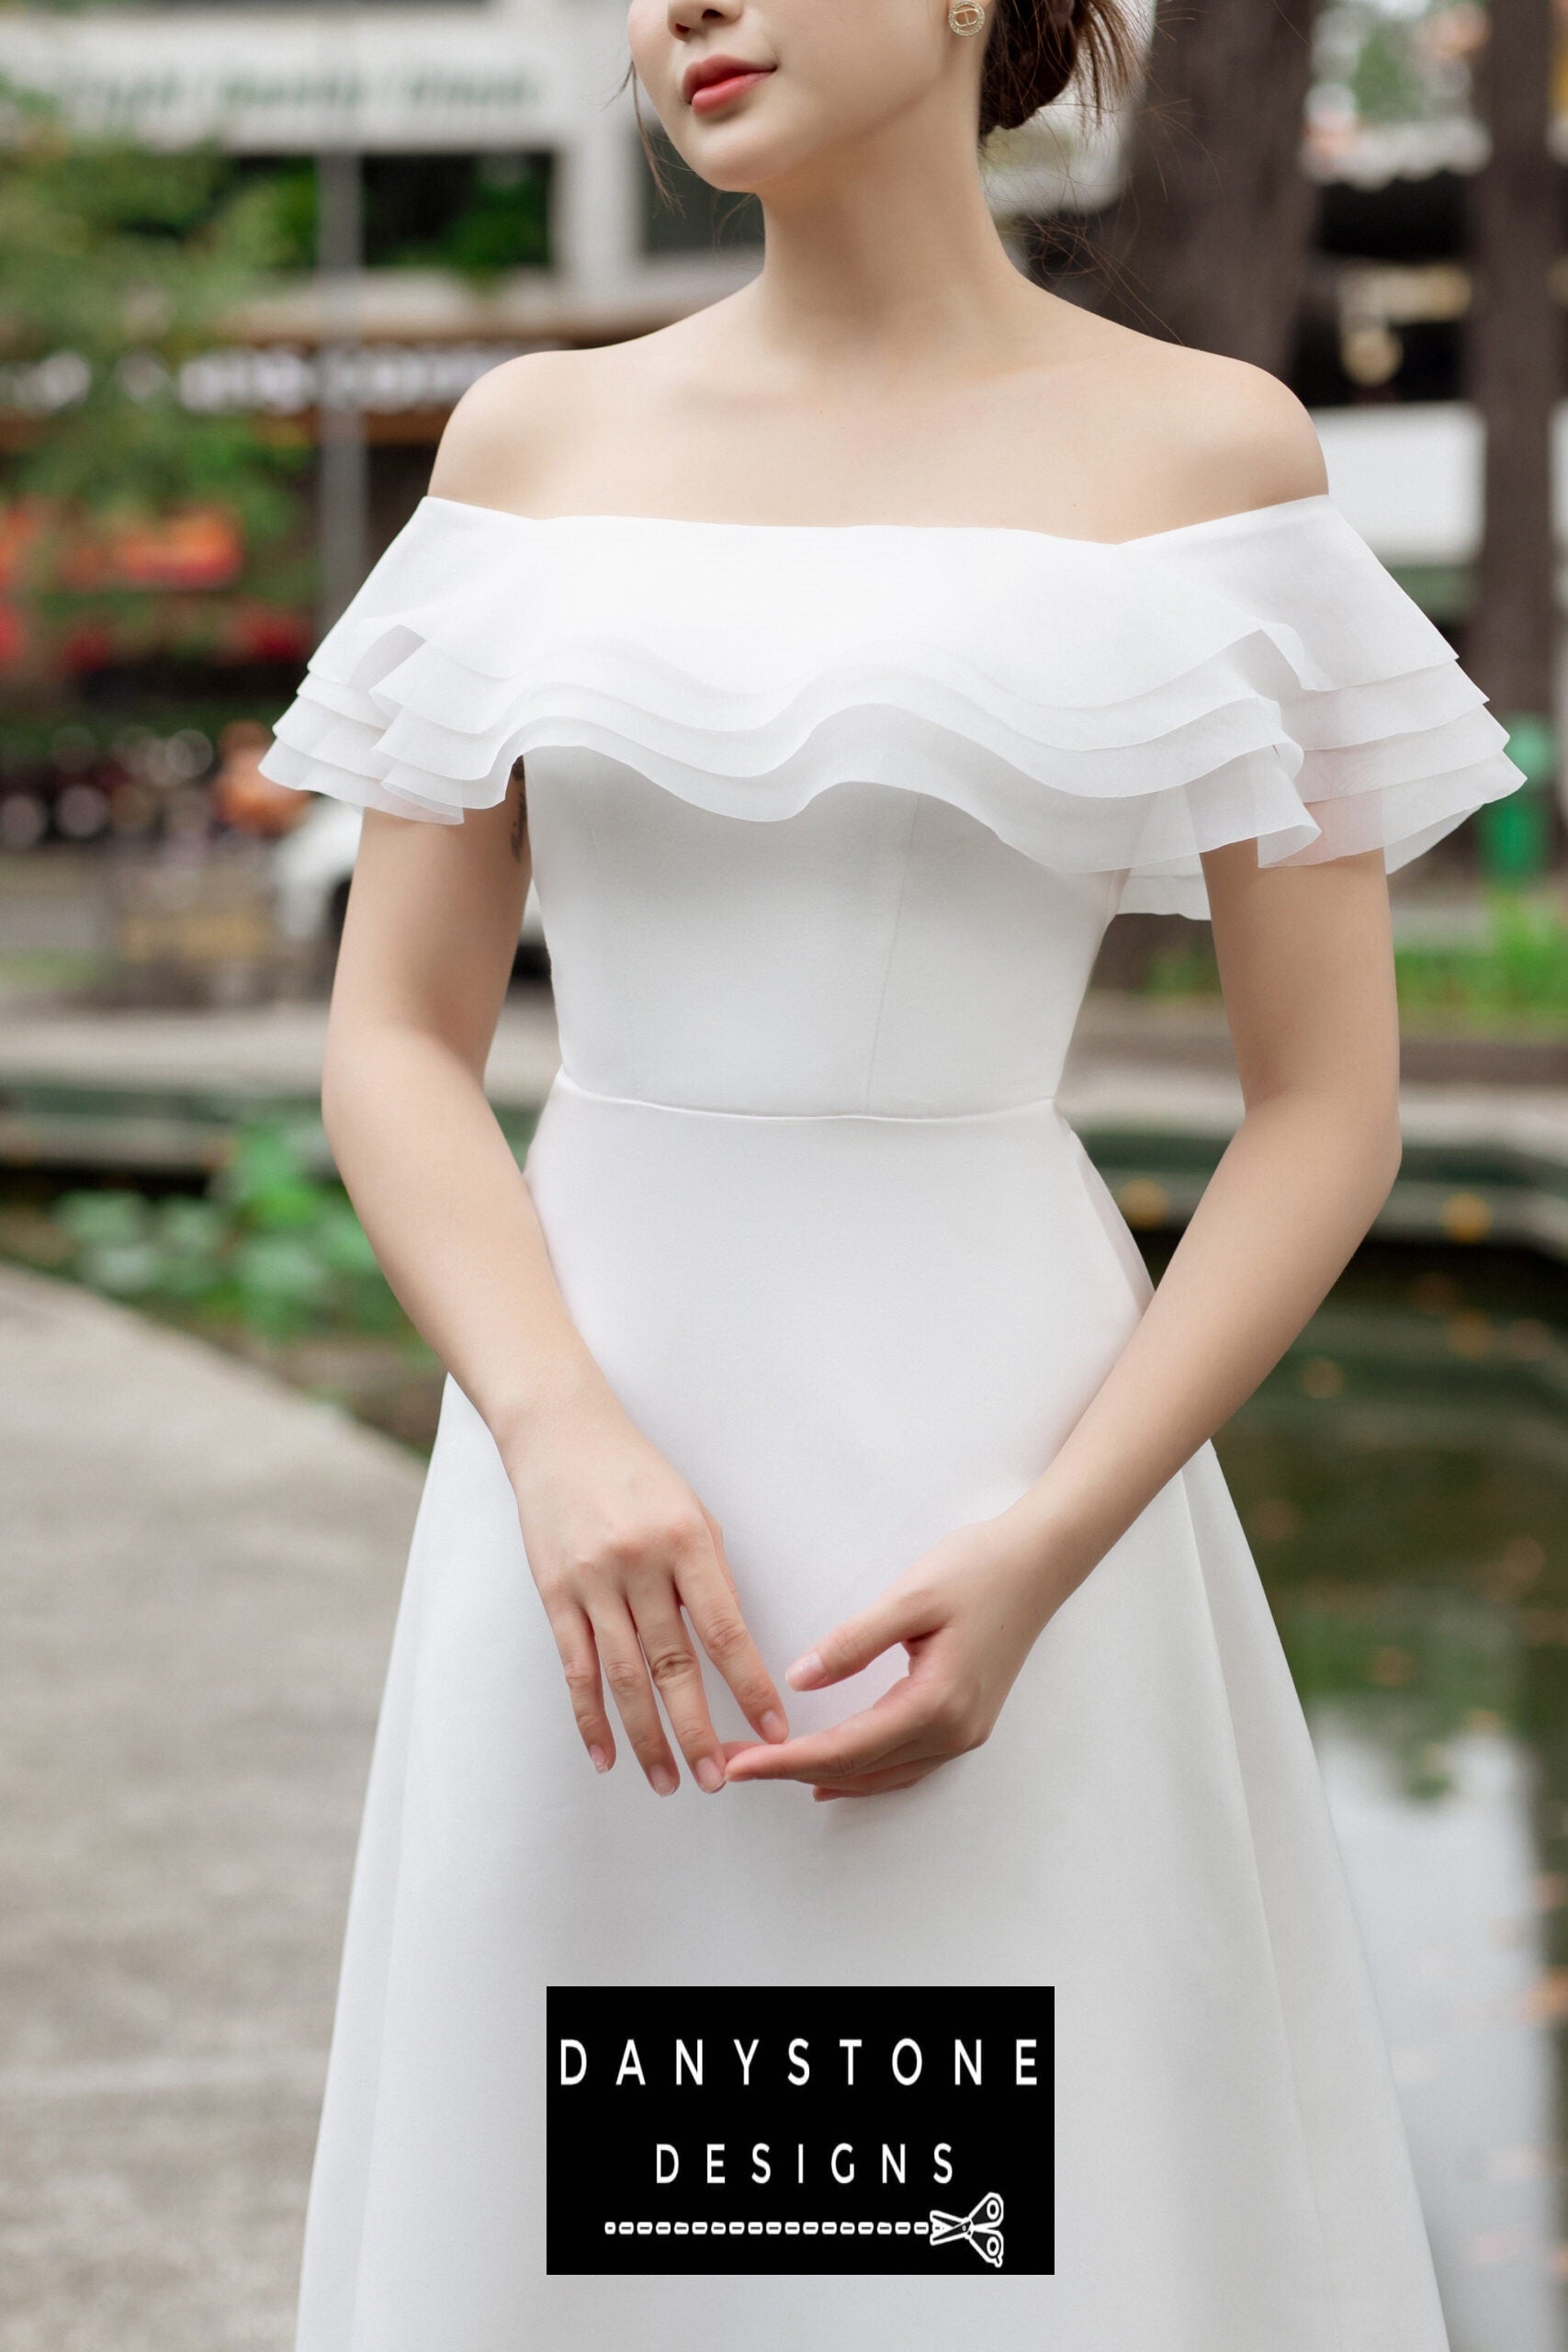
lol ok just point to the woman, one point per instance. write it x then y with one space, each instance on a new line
840 659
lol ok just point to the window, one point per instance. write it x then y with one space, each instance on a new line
477 214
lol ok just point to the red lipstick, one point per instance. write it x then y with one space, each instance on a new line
715 82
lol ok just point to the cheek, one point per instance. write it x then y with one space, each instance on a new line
872 57
654 54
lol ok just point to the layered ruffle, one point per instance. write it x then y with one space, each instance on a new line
1102 708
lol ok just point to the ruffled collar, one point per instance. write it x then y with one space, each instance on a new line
1102 705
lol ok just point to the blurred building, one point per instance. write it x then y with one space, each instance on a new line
505 201
466 179
458 183
506 198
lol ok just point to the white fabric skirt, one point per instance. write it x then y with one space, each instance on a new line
853 1333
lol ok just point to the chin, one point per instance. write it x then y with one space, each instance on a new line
740 152
740 167
760 146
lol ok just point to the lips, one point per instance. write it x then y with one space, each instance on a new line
714 82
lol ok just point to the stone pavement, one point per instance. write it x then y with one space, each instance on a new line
197 1574
266 1050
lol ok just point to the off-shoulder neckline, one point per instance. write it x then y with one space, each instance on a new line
1278 510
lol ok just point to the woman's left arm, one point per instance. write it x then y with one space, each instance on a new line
1307 967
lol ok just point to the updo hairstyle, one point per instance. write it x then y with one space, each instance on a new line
1033 47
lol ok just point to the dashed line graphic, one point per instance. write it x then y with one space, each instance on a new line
980 2229
767 2229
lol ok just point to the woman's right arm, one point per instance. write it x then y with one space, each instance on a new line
616 1540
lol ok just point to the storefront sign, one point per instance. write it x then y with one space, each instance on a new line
372 82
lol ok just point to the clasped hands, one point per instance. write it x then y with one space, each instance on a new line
630 1567
968 1613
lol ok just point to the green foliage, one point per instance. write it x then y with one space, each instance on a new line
1422 1662
501 223
1387 83
285 204
1408 63
269 1247
1520 971
1186 970
116 264
1516 974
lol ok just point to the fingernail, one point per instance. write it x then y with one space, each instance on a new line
806 1669
774 1725
710 1775
601 1762
663 1780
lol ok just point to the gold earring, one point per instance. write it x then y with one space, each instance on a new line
965 16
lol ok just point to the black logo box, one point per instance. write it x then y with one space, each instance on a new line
769 2129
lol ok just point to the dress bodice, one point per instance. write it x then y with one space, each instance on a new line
955 753
880 951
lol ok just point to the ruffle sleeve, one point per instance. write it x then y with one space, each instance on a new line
1103 709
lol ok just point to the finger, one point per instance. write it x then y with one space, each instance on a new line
716 1533
579 1662
898 1615
914 1756
626 1670
875 1784
879 1736
916 1750
707 1591
677 1679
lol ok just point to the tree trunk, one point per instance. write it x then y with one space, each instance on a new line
1514 362
1210 242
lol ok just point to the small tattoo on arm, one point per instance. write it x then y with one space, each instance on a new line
520 821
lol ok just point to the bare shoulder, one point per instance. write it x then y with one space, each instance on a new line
1178 435
1229 435
514 426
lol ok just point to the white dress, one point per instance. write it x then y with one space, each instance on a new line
810 1201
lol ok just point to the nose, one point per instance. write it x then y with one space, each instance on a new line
684 19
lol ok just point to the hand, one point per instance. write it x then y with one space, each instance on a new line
968 1613
618 1544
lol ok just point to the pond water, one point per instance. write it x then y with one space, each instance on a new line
1403 1481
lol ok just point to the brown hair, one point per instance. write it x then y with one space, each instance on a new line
1035 48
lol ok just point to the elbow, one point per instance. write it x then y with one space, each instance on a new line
1348 1139
1363 1155
344 1055
378 1069
1385 1153
333 1110
1392 1160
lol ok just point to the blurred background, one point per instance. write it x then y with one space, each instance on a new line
249 258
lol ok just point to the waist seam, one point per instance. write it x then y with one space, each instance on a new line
564 1081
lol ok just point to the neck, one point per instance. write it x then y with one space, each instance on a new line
886 249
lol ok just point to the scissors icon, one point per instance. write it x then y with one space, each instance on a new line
982 2228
